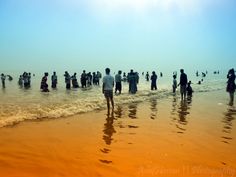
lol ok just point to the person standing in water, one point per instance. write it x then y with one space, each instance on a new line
3 78
118 80
107 88
147 76
231 85
67 80
44 85
183 84
174 86
54 80
154 81
74 81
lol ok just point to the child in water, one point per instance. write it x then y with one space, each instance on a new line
189 89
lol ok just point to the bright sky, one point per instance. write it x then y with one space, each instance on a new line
93 34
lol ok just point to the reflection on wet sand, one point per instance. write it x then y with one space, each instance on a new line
153 108
119 112
180 114
229 117
108 131
109 128
132 108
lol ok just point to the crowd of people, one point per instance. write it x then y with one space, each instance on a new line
88 79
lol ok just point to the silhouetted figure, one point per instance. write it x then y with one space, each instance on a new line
26 79
189 89
44 85
54 80
174 85
3 78
94 78
99 76
83 79
231 85
199 83
10 78
74 81
197 74
147 76
183 84
89 79
67 80
161 74
29 79
21 81
118 80
154 81
124 77
133 80
107 88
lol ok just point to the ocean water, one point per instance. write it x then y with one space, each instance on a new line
18 104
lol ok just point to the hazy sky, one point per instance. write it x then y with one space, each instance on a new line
77 34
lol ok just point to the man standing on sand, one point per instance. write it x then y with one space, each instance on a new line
183 84
107 88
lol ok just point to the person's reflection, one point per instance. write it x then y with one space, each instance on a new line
119 112
109 128
182 114
229 117
132 110
153 108
174 105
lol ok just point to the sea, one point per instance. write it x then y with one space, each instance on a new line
18 104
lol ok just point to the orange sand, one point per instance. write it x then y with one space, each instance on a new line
156 138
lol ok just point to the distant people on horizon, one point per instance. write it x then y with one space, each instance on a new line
74 81
231 85
83 79
118 80
124 77
147 76
94 78
203 74
67 80
20 81
174 85
89 79
189 89
197 74
10 78
27 79
54 80
99 76
44 85
133 81
154 81
107 88
3 78
183 84
161 74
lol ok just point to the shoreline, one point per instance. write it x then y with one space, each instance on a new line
163 137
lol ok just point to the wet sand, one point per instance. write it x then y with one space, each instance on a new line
167 137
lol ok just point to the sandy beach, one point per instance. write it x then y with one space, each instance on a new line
166 137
